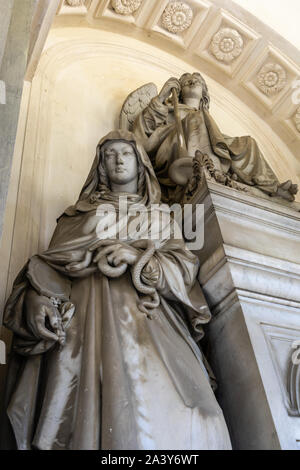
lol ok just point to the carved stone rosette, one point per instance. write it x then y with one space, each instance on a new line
297 119
226 45
177 17
74 3
125 7
271 79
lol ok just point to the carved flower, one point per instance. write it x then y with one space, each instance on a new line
177 17
75 3
125 7
271 79
227 44
297 119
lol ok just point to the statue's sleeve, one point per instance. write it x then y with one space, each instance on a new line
47 281
36 274
150 127
154 116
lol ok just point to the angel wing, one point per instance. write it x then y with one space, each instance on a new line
135 103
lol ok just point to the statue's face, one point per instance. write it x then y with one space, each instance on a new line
120 162
191 87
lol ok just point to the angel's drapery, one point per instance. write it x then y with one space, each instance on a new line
156 129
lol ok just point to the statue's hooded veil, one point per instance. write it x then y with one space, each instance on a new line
61 401
151 193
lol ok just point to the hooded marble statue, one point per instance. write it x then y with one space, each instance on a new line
152 117
105 327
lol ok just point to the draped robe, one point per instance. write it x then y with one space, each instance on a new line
121 381
156 129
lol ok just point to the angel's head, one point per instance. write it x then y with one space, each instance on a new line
193 86
120 167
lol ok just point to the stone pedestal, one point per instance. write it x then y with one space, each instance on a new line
250 273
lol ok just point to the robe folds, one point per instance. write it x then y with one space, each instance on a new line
122 381
155 128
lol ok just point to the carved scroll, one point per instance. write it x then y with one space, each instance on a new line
294 381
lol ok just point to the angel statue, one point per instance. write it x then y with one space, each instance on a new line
175 123
105 352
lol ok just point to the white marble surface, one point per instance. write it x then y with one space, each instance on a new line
251 276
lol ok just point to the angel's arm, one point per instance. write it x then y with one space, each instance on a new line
151 127
153 117
156 113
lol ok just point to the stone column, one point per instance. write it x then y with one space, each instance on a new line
250 273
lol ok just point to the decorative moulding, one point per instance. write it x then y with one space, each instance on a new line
177 17
125 11
280 340
294 380
178 23
290 118
226 43
74 7
297 119
126 7
74 3
270 78
287 114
